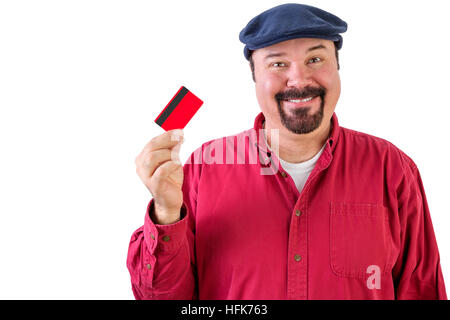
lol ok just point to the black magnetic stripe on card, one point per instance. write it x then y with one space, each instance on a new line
172 106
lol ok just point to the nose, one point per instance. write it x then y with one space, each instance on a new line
298 76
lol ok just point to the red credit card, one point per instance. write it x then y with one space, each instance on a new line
179 111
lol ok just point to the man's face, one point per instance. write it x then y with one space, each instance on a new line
297 83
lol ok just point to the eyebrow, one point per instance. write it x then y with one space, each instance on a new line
274 55
281 54
320 46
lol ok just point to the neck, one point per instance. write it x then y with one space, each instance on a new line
297 148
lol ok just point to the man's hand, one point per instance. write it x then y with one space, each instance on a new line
159 167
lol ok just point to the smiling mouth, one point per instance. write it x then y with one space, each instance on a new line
300 102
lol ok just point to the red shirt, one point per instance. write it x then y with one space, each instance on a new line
360 228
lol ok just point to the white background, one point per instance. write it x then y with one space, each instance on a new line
82 81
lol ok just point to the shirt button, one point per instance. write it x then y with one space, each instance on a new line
166 238
298 213
149 266
297 257
283 174
152 236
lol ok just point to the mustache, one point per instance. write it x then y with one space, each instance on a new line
301 94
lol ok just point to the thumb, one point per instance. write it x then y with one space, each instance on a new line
175 152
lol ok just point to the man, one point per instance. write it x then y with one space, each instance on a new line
339 215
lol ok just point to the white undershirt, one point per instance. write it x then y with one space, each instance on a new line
299 172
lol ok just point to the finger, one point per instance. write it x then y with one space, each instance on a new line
166 140
166 169
152 160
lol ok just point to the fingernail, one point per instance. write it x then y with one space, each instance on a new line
177 135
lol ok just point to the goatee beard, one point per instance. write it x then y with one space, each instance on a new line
299 120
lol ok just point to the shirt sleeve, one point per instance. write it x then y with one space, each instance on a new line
417 273
161 258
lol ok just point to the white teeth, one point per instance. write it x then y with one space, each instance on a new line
304 100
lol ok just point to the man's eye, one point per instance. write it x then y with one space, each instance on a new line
278 64
314 60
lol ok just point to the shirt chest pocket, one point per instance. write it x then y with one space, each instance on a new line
359 239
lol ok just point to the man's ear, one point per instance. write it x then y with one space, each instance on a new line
252 67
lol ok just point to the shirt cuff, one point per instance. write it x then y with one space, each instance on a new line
164 239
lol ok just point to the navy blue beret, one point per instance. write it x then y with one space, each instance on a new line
290 21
